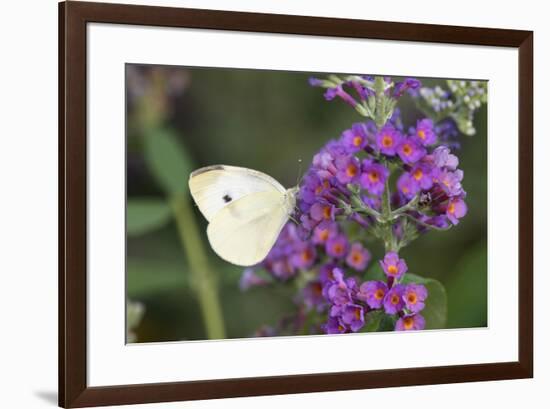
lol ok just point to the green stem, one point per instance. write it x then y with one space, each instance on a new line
379 87
409 206
202 277
389 239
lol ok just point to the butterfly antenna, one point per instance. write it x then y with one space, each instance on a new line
300 175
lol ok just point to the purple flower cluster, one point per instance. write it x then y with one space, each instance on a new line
435 178
362 159
351 302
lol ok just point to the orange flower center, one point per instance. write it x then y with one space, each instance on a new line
340 328
307 255
418 174
421 134
405 189
407 150
326 212
392 269
394 299
338 248
373 177
387 141
408 322
323 235
451 208
358 314
379 294
411 298
356 257
351 170
357 141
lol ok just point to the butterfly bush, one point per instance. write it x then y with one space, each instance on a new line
379 181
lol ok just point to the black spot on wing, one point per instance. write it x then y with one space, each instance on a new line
227 198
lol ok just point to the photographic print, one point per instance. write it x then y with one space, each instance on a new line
271 203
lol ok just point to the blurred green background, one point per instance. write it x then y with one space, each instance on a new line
266 120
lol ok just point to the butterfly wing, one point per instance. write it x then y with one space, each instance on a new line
244 231
214 187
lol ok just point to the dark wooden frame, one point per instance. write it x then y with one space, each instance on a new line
73 388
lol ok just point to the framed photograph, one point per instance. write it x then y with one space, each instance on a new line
256 204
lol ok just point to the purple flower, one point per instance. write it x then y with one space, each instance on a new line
355 139
348 169
393 301
313 295
322 211
326 272
307 222
424 132
388 139
323 161
280 268
393 266
250 279
373 293
312 188
324 231
414 297
339 291
412 322
353 316
358 257
443 158
407 85
304 256
334 326
449 181
373 177
338 91
337 246
407 186
315 82
456 209
410 151
421 174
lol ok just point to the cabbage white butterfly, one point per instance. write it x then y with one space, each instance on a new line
246 210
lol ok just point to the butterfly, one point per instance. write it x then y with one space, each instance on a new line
245 208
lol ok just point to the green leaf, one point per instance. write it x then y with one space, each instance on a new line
387 323
435 312
146 214
372 321
168 160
